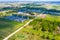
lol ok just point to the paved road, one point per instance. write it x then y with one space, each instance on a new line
6 38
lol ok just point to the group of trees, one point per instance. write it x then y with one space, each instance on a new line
44 25
7 13
40 10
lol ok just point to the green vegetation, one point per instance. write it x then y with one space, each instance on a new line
40 29
8 26
47 28
7 13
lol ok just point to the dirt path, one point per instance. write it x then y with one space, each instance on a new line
6 38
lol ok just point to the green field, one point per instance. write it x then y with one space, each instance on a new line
40 29
8 26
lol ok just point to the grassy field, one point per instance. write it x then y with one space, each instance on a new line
40 29
8 26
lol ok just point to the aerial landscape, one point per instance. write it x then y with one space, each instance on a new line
29 20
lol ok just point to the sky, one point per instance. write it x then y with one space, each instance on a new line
29 0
